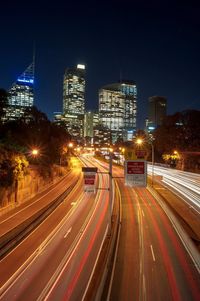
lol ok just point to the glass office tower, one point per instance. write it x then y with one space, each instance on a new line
118 109
74 99
21 94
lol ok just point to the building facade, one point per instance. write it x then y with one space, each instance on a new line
74 100
102 136
157 110
91 119
21 94
118 109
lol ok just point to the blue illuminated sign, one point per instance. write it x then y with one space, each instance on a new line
30 81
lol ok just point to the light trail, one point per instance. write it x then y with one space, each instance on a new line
185 184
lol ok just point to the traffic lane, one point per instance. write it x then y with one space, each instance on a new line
180 279
16 258
73 279
153 279
31 282
30 209
126 278
148 285
48 259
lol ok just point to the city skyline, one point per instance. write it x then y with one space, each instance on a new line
155 46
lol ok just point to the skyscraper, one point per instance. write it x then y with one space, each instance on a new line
118 109
21 94
74 99
157 110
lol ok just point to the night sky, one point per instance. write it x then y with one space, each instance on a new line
155 43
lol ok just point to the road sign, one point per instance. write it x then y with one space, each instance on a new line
89 169
135 154
136 173
140 154
89 178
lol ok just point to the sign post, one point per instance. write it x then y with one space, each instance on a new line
136 173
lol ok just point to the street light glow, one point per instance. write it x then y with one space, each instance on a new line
139 141
35 152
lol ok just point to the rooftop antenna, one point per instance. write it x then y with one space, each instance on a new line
33 58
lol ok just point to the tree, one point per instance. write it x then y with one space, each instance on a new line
34 130
35 116
180 131
13 166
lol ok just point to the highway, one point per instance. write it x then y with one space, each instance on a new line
151 260
57 260
184 184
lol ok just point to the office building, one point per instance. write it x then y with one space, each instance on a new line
157 110
118 109
74 100
91 119
102 136
21 94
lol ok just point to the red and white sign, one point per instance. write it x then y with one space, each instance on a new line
141 154
89 178
135 167
136 173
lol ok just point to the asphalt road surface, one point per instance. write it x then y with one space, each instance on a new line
152 262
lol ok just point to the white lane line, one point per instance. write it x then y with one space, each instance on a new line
50 286
142 212
73 203
152 252
30 260
67 233
96 261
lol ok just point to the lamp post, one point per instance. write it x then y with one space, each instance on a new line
139 141
152 162
110 185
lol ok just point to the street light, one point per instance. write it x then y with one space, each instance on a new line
35 152
70 145
139 141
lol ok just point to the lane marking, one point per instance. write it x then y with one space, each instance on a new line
152 252
96 261
73 203
67 233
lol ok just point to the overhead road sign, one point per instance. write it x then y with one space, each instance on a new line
89 178
136 173
89 169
